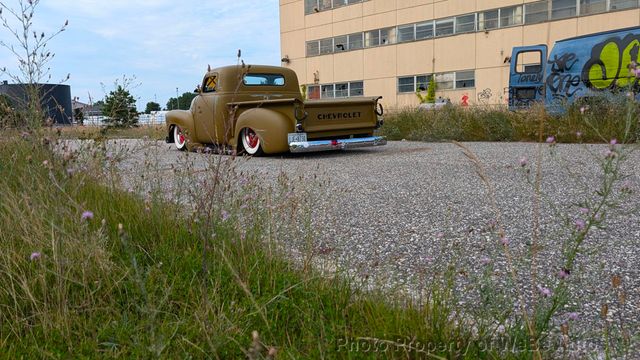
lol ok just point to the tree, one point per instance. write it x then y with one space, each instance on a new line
152 106
431 92
183 102
120 108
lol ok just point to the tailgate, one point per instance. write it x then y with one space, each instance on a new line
354 115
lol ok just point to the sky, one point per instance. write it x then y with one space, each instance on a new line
164 44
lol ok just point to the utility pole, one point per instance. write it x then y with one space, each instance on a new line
177 99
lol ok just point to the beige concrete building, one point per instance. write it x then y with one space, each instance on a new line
343 48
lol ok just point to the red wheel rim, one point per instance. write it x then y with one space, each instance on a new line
181 138
252 138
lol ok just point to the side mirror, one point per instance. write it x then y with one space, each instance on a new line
198 90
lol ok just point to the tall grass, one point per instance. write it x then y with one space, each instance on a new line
600 121
88 270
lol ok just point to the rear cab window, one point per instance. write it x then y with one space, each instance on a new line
264 80
210 83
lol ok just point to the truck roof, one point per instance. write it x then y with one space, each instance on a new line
599 33
229 78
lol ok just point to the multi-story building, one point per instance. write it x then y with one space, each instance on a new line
342 48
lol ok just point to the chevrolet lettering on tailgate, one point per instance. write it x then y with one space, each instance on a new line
337 116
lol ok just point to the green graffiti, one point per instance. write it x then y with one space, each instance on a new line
603 73
611 63
627 58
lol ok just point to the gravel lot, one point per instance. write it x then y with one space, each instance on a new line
397 215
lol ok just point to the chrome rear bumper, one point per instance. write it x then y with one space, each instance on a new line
339 144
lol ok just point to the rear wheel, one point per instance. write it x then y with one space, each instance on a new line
179 139
251 142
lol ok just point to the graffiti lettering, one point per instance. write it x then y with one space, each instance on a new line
564 63
524 97
485 95
611 63
530 78
561 82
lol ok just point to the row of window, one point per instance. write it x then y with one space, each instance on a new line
406 84
339 90
530 13
444 81
314 6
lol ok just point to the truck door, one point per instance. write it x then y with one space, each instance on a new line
203 110
526 76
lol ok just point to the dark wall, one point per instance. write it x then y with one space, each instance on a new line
56 100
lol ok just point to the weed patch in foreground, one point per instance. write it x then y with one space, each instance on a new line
91 271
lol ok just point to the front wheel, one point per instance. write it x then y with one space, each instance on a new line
251 142
179 139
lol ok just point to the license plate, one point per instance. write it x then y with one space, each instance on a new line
297 137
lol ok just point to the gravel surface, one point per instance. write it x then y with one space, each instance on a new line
397 216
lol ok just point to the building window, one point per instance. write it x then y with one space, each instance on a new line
561 9
327 92
326 46
406 33
622 4
510 16
341 90
311 6
536 12
422 82
340 3
340 43
387 36
488 20
356 88
313 92
406 84
588 7
465 79
313 48
445 81
444 27
466 23
325 4
355 41
372 38
424 30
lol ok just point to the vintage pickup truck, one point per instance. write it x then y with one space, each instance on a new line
260 110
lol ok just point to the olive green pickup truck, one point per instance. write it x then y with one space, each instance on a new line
260 110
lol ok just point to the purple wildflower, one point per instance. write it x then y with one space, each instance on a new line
505 241
610 154
35 256
546 292
485 261
87 215
563 274
551 140
613 142
524 161
580 224
440 235
583 211
225 215
573 316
